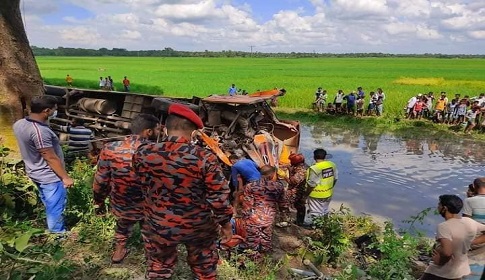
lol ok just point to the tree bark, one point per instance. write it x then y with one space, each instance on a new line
20 78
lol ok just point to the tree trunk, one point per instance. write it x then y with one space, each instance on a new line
20 78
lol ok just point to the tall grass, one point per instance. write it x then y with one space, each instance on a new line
400 78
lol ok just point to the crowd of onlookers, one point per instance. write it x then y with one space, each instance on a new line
105 83
352 103
466 111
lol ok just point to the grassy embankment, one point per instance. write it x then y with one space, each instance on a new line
26 252
400 78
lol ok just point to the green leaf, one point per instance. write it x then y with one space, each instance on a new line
32 200
1 247
58 255
22 242
9 201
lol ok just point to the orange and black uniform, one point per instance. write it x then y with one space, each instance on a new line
260 204
297 188
115 177
186 197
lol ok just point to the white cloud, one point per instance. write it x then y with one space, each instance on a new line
83 35
477 34
358 9
130 34
396 28
329 26
426 33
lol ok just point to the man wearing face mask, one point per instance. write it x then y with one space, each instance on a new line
115 177
186 198
454 238
44 160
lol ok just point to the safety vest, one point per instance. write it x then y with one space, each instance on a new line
326 170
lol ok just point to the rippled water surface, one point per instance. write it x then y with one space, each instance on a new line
392 177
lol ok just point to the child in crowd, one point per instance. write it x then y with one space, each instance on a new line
360 106
450 111
470 119
372 103
461 111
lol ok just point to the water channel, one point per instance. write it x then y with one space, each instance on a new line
391 177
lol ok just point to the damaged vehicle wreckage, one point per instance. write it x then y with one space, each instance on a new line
244 125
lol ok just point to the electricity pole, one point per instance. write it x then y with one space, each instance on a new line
252 50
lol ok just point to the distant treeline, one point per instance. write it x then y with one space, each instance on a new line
169 52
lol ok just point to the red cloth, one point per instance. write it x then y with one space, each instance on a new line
185 112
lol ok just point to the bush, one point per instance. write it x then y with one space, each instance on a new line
397 253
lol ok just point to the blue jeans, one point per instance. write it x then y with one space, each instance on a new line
54 197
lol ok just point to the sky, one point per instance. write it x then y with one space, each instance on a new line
322 26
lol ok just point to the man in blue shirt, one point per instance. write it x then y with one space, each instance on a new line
249 172
351 102
247 168
360 92
232 90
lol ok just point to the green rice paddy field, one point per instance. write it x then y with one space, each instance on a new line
400 78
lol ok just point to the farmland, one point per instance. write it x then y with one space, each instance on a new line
400 78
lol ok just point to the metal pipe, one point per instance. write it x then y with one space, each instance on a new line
302 272
106 128
308 263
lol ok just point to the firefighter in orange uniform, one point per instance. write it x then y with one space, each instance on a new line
186 198
260 204
115 177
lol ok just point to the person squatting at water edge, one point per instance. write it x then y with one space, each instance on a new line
186 198
454 238
320 181
44 160
116 178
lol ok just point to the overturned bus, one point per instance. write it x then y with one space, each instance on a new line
244 125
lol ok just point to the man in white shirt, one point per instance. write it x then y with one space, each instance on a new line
454 238
411 102
474 207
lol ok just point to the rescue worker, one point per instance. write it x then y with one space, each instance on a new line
320 181
259 207
297 184
248 170
186 198
115 177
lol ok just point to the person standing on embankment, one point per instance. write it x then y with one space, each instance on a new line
321 179
115 177
44 160
186 199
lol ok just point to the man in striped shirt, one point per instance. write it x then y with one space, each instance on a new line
43 158
474 207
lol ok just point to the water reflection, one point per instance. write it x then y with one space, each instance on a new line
392 177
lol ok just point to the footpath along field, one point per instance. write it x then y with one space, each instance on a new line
400 78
